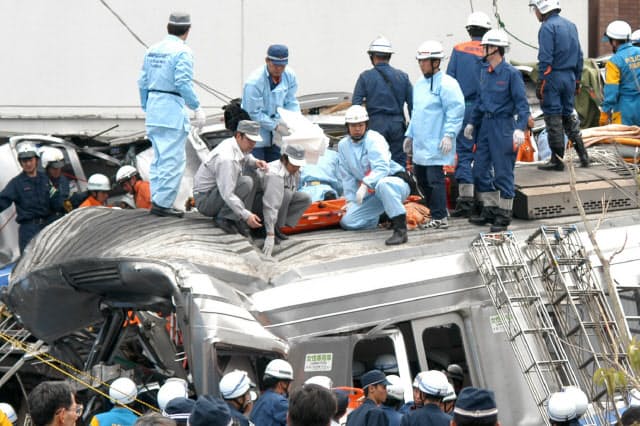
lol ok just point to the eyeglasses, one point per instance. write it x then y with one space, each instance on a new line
79 409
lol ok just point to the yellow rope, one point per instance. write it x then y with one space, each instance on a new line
50 362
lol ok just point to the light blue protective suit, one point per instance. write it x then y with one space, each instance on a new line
261 101
165 85
319 179
369 161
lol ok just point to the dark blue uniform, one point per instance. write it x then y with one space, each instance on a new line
237 415
31 197
502 96
270 409
368 414
393 415
385 104
62 186
465 66
430 415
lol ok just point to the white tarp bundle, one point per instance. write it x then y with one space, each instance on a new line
305 133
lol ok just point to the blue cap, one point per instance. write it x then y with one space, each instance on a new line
179 409
210 411
373 377
476 403
278 54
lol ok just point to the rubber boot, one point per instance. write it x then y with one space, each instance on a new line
503 215
465 202
489 202
399 236
571 125
556 143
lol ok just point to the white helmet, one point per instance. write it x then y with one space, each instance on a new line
495 38
579 398
386 363
618 30
123 390
235 384
280 369
395 389
635 37
433 383
8 410
380 45
174 387
561 407
451 394
323 381
430 49
356 114
98 182
479 19
52 157
545 6
125 173
26 150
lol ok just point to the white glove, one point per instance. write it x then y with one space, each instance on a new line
282 130
518 137
199 119
407 146
445 145
468 131
267 248
361 193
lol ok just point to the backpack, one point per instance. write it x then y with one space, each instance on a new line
233 114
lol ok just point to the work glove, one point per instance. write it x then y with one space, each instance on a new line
578 87
361 193
282 130
52 191
540 89
267 248
468 131
518 138
199 119
445 145
407 146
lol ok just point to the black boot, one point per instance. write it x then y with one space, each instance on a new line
486 215
571 125
555 134
502 220
399 236
464 207
279 234
554 163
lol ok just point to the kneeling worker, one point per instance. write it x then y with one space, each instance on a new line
368 177
129 179
282 203
219 188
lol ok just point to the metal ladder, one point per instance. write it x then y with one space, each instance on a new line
581 309
14 340
524 315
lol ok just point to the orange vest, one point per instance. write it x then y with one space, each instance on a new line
142 194
90 202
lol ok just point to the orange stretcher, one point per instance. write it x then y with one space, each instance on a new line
319 215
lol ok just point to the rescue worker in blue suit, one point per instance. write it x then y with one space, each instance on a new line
235 388
385 90
31 193
438 112
475 406
622 78
465 65
166 86
269 87
272 406
122 391
62 201
322 181
369 179
433 387
374 383
502 96
559 72
395 399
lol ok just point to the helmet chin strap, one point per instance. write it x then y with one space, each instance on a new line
485 57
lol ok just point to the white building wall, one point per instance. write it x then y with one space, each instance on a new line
73 58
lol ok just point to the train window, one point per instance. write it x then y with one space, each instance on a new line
443 347
367 351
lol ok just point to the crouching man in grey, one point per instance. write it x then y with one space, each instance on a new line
219 188
282 203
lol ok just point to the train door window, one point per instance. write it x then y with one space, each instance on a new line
367 351
443 346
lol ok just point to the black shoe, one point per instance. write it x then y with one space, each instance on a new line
226 225
165 211
399 235
556 166
487 215
464 207
243 228
279 235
